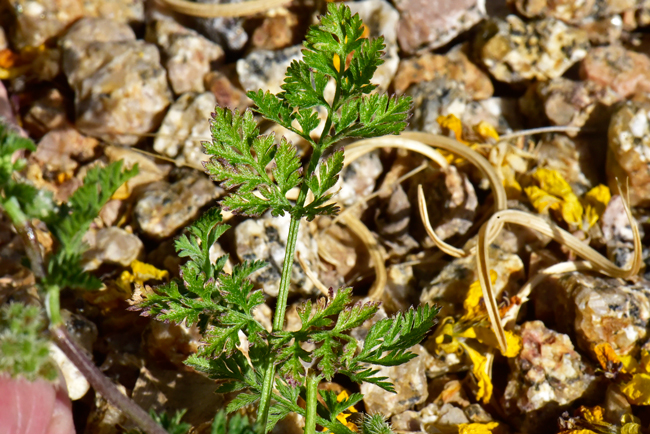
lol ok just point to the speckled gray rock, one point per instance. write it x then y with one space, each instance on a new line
514 51
47 113
617 233
227 32
184 127
113 246
59 150
449 288
434 98
598 309
628 156
547 375
410 383
164 208
39 20
359 179
265 69
381 20
120 86
426 24
570 11
265 239
186 54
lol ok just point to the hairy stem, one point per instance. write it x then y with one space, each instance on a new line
267 392
27 234
102 384
312 401
53 305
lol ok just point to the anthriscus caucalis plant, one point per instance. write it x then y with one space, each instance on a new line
273 368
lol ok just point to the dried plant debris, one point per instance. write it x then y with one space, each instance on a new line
515 202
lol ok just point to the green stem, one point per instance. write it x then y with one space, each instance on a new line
312 402
27 234
267 392
53 305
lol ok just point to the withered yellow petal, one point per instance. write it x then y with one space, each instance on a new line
453 124
477 428
593 414
572 210
143 272
487 337
337 62
479 369
486 131
540 199
631 428
445 339
472 303
605 353
596 201
552 182
637 389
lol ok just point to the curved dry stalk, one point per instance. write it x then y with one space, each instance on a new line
422 142
356 226
599 262
312 276
424 215
229 10
541 130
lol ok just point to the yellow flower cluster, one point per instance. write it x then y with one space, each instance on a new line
636 384
554 192
141 272
591 421
471 334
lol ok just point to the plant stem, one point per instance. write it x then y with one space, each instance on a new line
312 402
102 384
283 293
53 305
27 234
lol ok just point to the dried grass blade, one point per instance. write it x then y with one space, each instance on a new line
209 10
356 226
424 215
312 276
600 263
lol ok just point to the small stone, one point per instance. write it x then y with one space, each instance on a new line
225 92
57 149
599 310
47 113
410 384
171 390
39 20
113 246
579 160
408 421
359 179
428 24
628 157
547 375
185 127
75 381
123 11
438 97
164 208
617 233
265 239
451 200
187 56
104 418
565 102
453 66
276 31
569 11
227 32
400 292
380 18
449 288
171 342
148 171
265 69
120 87
620 72
514 51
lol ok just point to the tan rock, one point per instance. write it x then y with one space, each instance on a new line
454 65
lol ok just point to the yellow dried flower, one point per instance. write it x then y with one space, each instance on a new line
453 124
477 428
472 303
596 201
142 272
486 131
554 192
480 371
605 355
637 390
